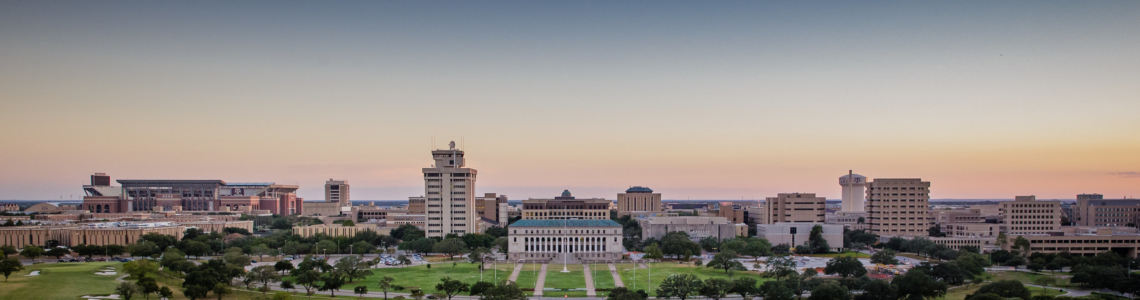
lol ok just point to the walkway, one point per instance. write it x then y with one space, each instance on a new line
541 281
515 273
617 278
590 292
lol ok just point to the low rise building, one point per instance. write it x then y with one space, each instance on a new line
336 230
1086 241
106 233
1094 210
566 207
795 208
9 207
696 227
573 241
796 234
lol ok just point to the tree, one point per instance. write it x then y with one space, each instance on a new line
815 242
308 279
676 242
1036 265
407 232
9 266
385 284
362 247
885 257
127 290
142 248
57 252
417 294
845 266
451 247
165 293
829 291
353 267
680 286
8 250
32 252
745 286
196 292
725 260
715 288
710 243
878 290
1044 281
622 293
361 290
331 281
264 275
147 286
140 268
780 267
1021 243
774 290
653 252
451 287
508 291
221 290
1004 289
1015 262
479 287
421 245
283 266
916 285
287 284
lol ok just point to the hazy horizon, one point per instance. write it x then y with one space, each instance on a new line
722 100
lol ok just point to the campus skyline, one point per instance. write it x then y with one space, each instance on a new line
739 100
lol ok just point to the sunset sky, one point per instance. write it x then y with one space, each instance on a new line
697 100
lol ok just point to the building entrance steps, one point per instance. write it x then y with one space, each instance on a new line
541 281
617 279
515 274
590 292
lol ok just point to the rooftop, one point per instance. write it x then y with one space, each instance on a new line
565 223
638 189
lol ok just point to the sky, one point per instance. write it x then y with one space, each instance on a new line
697 100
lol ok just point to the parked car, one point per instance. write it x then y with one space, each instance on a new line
252 261
88 259
73 260
62 260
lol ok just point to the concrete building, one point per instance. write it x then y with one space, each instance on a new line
188 195
795 208
854 192
49 208
566 207
1026 215
697 227
849 220
1094 210
959 215
972 229
450 190
1085 241
571 241
639 200
337 191
336 230
9 207
898 206
492 208
101 234
796 234
417 205
737 212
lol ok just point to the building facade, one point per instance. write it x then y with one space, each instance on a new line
795 208
696 227
188 195
898 207
337 191
796 234
101 234
493 208
572 241
1027 215
566 207
417 205
450 190
336 230
1094 210
639 200
854 192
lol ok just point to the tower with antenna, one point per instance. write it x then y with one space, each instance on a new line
854 189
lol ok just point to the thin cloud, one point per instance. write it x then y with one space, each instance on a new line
1126 174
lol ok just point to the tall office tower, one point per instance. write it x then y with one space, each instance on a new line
853 192
898 207
795 208
640 200
1027 215
337 191
450 192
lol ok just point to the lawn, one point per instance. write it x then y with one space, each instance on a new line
60 281
528 275
847 253
662 270
961 292
602 277
1027 277
558 280
426 279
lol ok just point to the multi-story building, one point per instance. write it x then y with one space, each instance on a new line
854 191
450 191
959 215
336 230
737 212
566 207
9 207
1027 215
972 229
417 205
188 195
1086 241
106 233
572 241
639 200
898 207
795 208
1094 210
337 191
696 227
796 234
493 208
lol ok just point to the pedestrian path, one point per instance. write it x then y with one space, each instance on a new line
515 273
541 281
590 292
617 279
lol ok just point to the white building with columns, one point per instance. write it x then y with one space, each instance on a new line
571 241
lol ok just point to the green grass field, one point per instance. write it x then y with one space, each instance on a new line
574 279
426 279
602 277
961 292
60 281
1027 277
528 275
848 253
